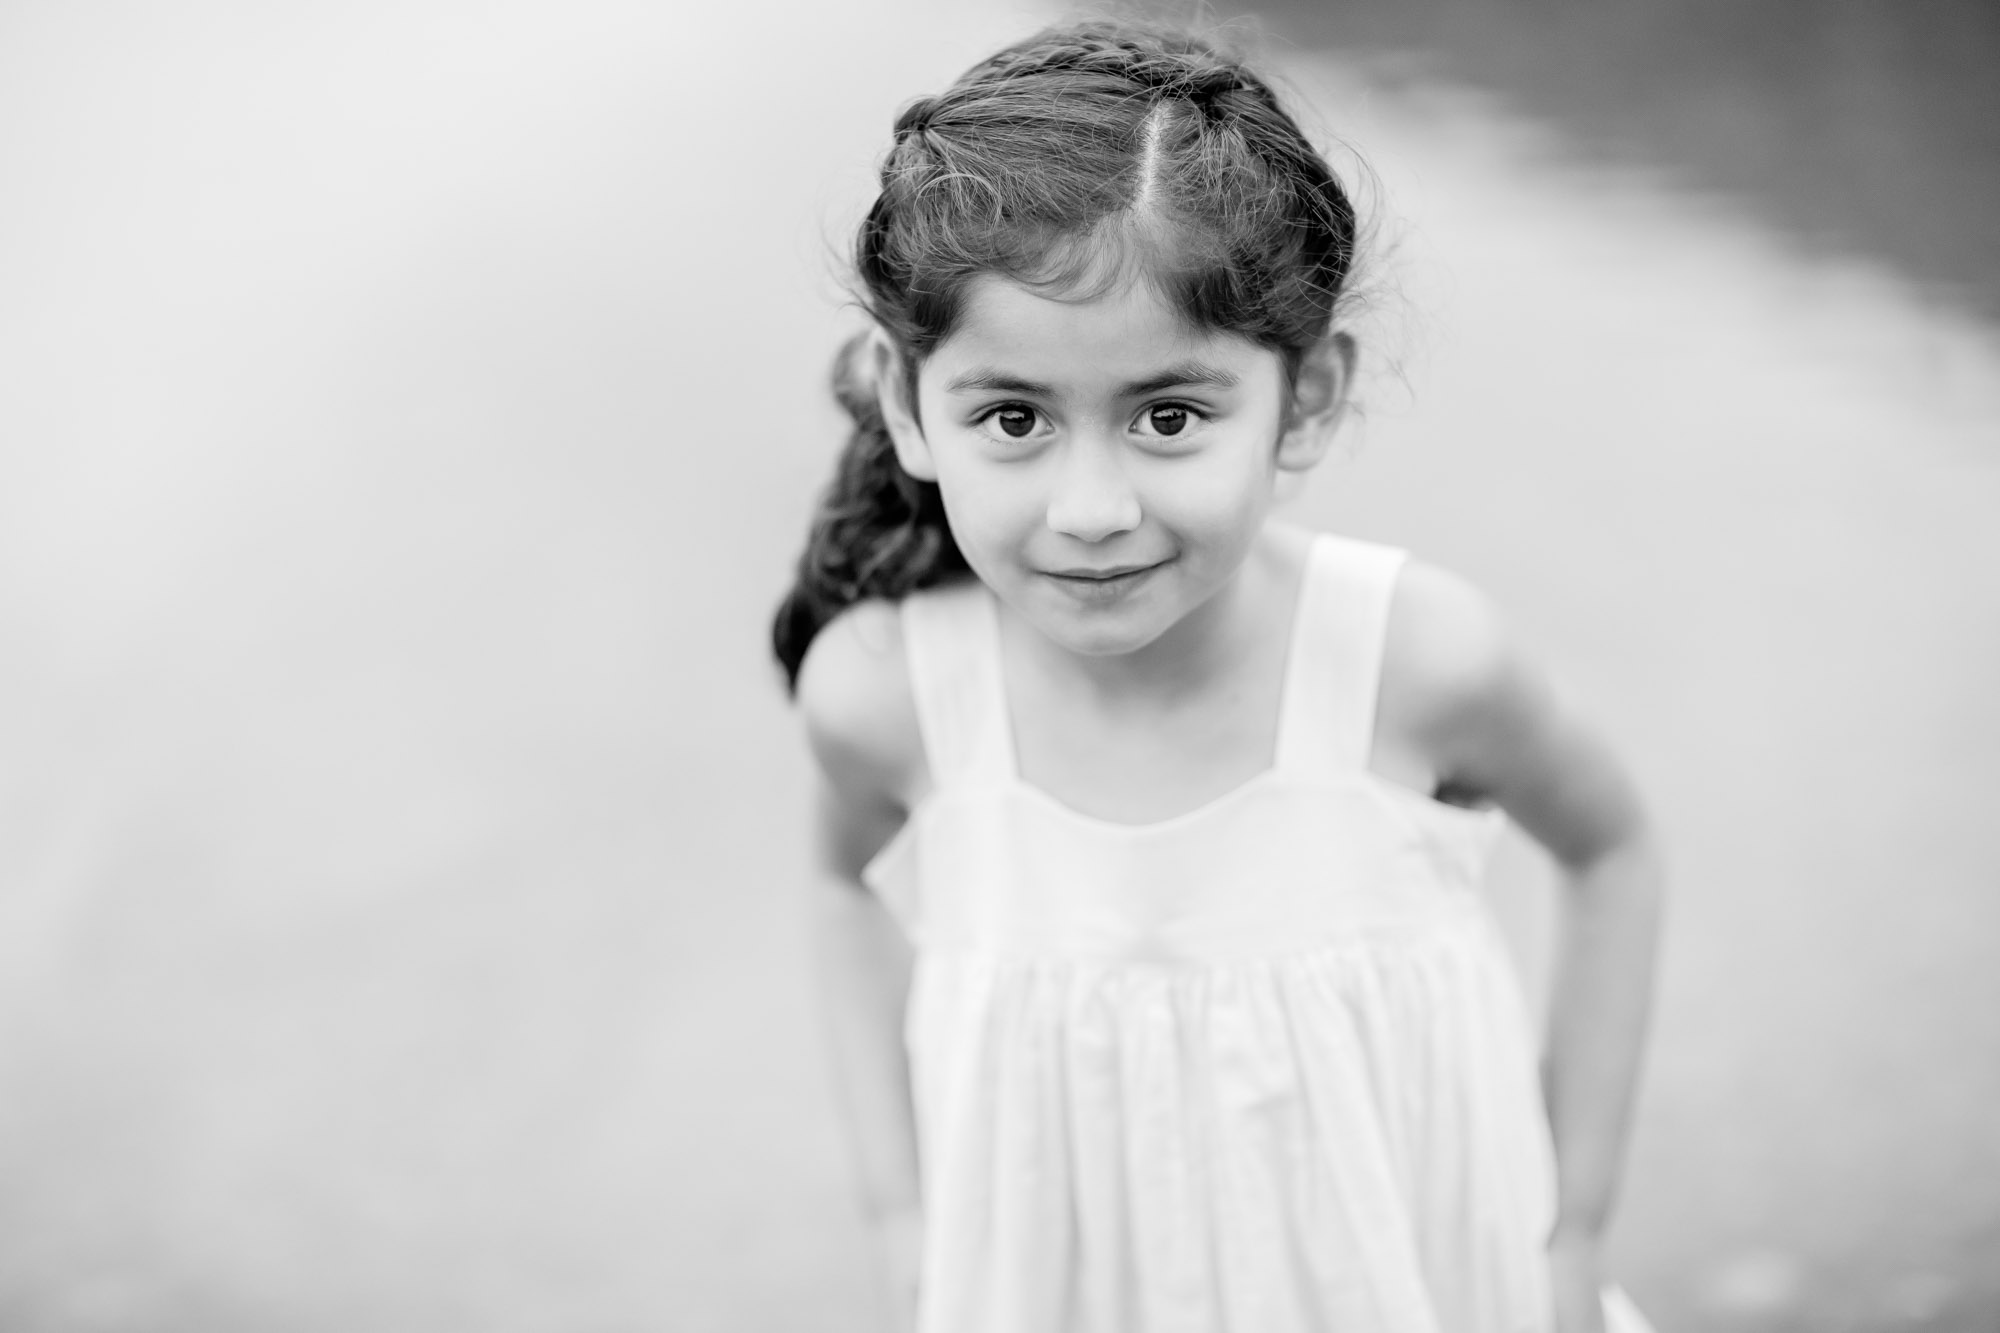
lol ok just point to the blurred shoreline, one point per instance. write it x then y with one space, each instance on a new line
1856 126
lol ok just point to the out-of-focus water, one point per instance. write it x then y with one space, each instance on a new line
1855 126
411 413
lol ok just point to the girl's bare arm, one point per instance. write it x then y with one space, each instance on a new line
863 966
863 738
1497 728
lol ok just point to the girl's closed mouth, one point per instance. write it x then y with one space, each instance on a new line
1098 584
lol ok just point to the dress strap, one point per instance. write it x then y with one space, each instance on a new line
952 638
1327 721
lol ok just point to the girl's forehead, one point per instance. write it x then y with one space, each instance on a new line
1010 326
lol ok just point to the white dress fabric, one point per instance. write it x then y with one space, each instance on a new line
1264 1067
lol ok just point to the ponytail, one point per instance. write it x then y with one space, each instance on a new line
878 531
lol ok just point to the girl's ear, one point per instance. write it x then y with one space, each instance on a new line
1319 397
896 397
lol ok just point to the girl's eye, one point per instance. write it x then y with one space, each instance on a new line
1015 422
1169 419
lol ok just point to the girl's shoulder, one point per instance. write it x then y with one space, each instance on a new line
1483 719
1449 662
855 697
1445 637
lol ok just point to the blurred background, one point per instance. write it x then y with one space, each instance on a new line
409 414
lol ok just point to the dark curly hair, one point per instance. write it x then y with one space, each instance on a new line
1074 161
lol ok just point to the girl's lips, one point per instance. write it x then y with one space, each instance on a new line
1115 571
1105 585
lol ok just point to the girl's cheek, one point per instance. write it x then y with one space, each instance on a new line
1214 499
982 509
992 495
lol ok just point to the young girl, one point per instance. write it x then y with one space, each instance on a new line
1192 1018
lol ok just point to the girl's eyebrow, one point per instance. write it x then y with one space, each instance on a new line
989 381
1176 376
1179 376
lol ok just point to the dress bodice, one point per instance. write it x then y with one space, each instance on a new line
1312 849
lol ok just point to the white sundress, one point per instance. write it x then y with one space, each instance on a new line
1264 1067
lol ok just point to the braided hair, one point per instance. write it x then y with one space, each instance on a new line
1084 157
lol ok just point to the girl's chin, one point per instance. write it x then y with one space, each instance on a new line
1103 633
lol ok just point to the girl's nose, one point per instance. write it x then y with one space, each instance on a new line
1093 499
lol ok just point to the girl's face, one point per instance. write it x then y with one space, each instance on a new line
1104 468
